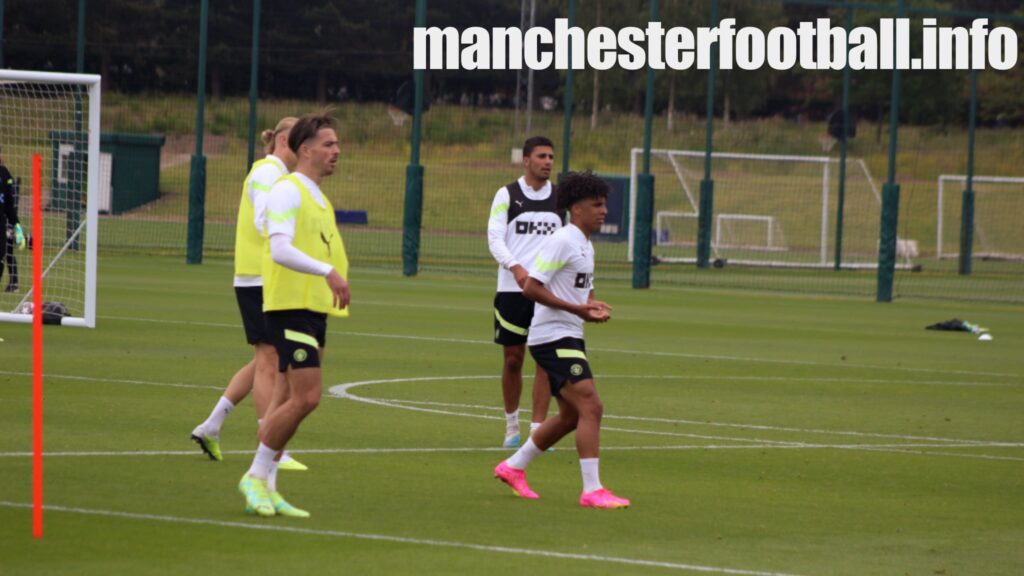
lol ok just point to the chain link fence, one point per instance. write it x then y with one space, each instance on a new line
797 207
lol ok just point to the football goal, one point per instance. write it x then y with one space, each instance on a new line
769 209
55 116
998 206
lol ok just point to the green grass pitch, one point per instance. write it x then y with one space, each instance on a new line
755 433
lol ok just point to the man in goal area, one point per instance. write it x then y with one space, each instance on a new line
561 282
259 374
9 217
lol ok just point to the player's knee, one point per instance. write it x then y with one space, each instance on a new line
514 363
307 401
592 408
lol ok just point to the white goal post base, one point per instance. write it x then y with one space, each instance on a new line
791 265
55 116
12 317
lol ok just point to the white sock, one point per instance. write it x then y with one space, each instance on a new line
591 479
272 478
216 419
512 423
522 458
262 462
534 426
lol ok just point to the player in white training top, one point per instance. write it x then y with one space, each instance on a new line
258 375
561 281
523 214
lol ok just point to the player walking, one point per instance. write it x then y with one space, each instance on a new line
561 282
523 214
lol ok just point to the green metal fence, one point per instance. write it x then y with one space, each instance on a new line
749 186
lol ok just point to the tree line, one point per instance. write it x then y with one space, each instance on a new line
361 50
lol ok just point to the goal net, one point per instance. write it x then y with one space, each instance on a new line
998 206
769 210
56 116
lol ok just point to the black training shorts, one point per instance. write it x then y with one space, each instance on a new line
564 360
250 304
297 335
513 314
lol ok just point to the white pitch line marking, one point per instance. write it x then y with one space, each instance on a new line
686 378
759 443
342 391
947 441
613 350
396 403
403 540
114 380
816 380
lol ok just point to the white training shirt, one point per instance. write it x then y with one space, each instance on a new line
262 178
282 206
510 246
565 265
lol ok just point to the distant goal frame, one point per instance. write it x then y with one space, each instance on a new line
940 201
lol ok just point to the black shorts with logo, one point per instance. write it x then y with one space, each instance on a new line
297 335
513 314
250 304
563 360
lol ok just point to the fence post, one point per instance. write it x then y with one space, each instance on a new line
254 71
80 43
707 185
967 206
72 215
197 175
3 6
413 216
645 188
567 123
843 147
890 194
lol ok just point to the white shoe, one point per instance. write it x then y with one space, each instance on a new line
511 440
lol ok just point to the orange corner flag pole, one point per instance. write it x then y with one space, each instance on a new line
37 346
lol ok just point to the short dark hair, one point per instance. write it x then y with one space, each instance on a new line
535 141
307 127
576 186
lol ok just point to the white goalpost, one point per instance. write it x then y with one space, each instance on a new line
55 116
998 206
770 209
